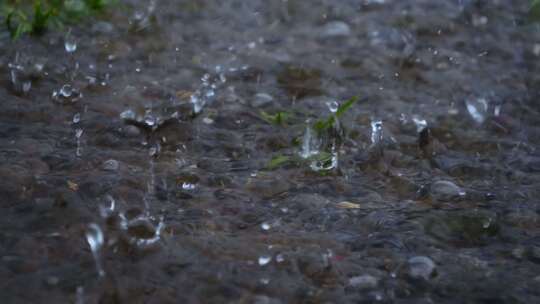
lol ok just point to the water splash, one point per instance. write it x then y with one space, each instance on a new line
66 94
310 143
78 134
326 163
376 131
207 90
420 123
94 237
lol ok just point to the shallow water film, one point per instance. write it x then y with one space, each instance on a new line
273 151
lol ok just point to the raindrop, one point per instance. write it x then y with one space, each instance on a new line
94 237
264 260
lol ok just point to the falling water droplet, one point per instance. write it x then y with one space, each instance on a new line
94 237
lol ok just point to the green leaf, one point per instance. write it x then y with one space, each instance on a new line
322 125
278 161
534 11
280 118
346 106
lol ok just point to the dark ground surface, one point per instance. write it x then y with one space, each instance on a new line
449 215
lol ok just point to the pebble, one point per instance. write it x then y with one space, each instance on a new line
335 29
445 190
132 131
421 267
363 282
111 165
261 100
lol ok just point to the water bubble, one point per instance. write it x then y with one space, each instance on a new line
188 186
94 237
421 267
333 106
67 93
264 260
128 115
76 118
477 108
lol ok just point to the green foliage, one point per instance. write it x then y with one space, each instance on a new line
534 10
278 161
36 16
323 125
280 118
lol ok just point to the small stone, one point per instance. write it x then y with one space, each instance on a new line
348 205
421 267
111 165
363 282
335 29
132 131
52 280
261 100
445 191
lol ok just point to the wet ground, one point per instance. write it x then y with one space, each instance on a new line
143 159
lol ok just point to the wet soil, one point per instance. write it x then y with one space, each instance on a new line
134 155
